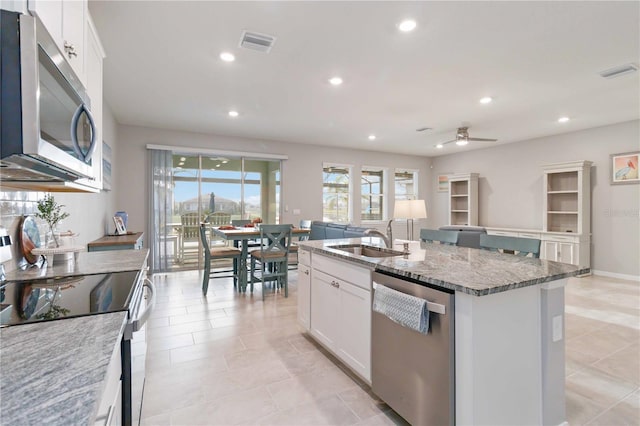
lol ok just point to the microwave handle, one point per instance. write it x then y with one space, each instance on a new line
74 133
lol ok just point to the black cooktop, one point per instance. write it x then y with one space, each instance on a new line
67 297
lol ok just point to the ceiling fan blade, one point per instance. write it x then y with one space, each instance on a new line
451 141
482 140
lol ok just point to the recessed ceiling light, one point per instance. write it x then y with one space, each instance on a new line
372 137
407 25
486 100
563 119
233 113
227 57
462 142
439 146
336 81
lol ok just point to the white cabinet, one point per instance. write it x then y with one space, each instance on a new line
110 406
304 288
567 213
463 199
66 22
341 311
95 55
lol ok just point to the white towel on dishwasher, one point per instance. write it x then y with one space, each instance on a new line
408 311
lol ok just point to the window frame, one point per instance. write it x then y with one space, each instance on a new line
416 188
349 168
384 193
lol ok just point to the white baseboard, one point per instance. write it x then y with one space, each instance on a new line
616 275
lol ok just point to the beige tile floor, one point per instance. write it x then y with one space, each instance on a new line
232 359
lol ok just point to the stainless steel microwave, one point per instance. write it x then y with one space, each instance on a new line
47 132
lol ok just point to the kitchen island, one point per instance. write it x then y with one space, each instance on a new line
65 371
508 321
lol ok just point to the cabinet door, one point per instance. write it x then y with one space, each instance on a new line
304 295
354 339
549 250
74 15
50 13
566 253
325 300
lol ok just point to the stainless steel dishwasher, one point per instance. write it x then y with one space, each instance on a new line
414 373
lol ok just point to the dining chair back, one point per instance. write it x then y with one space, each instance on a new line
189 234
212 254
443 237
273 257
512 245
218 218
304 224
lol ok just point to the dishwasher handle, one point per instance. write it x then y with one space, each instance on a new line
436 308
139 322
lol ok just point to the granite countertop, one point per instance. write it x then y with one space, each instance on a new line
472 271
54 372
88 263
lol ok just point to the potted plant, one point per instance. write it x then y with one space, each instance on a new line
50 212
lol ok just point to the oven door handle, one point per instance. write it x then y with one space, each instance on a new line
139 322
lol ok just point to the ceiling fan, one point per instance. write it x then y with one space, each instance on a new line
462 138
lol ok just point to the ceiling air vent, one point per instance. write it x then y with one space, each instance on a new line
618 71
256 41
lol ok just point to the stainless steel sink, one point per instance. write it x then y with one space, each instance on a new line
366 250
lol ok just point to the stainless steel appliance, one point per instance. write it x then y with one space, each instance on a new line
414 373
47 133
68 297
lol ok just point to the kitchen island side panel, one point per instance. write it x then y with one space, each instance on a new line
498 358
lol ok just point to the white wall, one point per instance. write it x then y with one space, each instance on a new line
510 189
301 173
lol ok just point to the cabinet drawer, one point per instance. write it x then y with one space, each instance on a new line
554 237
343 270
503 233
304 257
529 235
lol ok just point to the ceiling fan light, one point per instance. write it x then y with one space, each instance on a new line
462 142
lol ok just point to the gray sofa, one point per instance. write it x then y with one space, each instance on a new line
329 230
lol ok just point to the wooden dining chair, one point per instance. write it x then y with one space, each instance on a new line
443 237
212 254
512 245
272 259
304 224
190 223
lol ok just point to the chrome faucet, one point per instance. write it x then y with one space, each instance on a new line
373 231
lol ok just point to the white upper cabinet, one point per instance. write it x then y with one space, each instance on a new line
66 22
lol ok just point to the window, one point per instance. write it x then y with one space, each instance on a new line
406 184
336 193
371 190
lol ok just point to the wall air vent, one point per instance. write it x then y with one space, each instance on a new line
618 71
256 41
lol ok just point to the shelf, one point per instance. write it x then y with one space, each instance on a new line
459 195
559 212
562 192
459 211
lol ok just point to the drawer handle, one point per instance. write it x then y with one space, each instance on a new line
335 284
306 272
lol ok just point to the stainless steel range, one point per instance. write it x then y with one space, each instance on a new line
26 302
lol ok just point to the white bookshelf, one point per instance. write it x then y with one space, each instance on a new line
463 199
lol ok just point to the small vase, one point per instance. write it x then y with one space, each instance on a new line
52 239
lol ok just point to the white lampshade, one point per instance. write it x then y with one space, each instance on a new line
410 209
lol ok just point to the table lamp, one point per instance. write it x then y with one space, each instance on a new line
410 210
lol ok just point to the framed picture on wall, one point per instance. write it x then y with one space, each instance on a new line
443 183
624 168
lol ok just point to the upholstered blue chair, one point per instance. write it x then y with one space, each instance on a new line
513 245
272 259
217 253
443 237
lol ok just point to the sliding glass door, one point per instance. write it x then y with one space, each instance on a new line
219 189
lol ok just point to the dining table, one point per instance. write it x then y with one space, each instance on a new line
244 234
